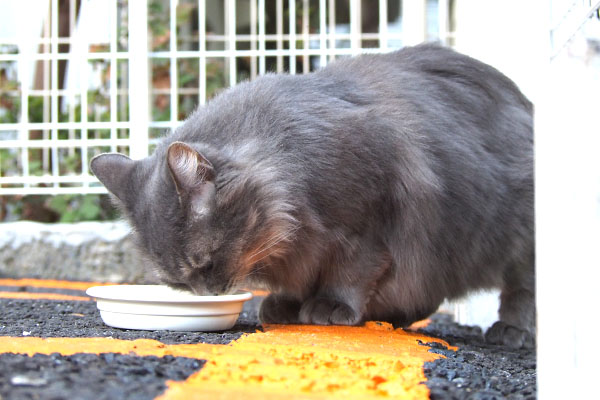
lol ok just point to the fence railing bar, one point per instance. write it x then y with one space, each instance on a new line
292 33
279 36
71 99
64 143
53 179
253 22
261 37
173 70
84 125
27 190
54 87
113 73
331 33
313 37
138 78
46 49
202 48
355 26
383 25
231 29
35 126
443 20
322 33
305 43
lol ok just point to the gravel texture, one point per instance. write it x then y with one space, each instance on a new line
477 370
88 376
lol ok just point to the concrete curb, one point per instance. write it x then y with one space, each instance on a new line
90 251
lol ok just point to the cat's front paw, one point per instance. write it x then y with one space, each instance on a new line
278 309
508 335
322 311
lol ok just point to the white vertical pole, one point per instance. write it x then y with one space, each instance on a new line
261 37
305 28
443 20
279 30
54 91
174 75
355 26
292 36
70 97
46 86
138 78
383 25
331 10
253 18
414 28
202 48
567 196
322 33
113 72
231 29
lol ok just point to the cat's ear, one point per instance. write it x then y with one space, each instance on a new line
190 170
113 170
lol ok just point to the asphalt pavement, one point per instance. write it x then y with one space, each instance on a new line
54 345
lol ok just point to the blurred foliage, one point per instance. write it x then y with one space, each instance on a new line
75 208
64 208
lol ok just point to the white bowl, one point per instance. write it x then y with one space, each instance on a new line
156 307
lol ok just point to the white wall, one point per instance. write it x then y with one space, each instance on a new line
509 35
514 36
568 224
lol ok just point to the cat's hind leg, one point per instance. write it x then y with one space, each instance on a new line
516 327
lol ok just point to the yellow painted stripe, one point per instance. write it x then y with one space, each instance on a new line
41 296
97 345
295 362
73 285
51 283
316 362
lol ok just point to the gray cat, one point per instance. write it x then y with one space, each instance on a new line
372 189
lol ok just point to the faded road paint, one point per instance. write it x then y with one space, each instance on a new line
294 361
41 296
305 361
49 283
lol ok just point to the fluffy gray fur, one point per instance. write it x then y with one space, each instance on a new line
372 189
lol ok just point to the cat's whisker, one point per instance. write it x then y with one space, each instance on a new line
272 242
265 256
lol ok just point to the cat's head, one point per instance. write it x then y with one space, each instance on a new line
203 224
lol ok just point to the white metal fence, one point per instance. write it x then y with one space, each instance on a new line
80 77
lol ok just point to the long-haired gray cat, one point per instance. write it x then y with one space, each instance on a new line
372 189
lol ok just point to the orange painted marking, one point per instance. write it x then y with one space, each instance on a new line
74 285
49 283
39 296
68 346
298 362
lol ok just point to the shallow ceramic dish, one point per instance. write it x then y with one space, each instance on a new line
155 307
